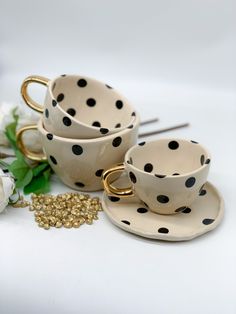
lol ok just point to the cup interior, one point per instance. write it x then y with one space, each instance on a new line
168 157
91 102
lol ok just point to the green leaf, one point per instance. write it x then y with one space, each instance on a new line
47 173
39 184
39 168
19 155
32 179
26 180
10 130
10 133
15 115
22 172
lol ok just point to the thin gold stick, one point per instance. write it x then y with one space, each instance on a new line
175 127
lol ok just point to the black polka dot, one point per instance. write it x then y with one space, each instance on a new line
163 199
148 167
119 104
130 161
175 174
104 131
208 221
80 184
99 172
46 113
53 160
108 86
160 176
63 75
163 230
118 125
202 159
114 198
77 149
207 161
142 210
54 103
142 143
202 192
132 177
66 121
82 83
50 136
117 141
125 222
130 126
180 209
187 210
173 145
190 182
97 124
71 112
194 142
91 102
60 97
133 114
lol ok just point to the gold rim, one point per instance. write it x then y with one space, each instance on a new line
25 151
24 91
112 190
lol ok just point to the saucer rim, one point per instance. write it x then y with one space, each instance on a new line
166 237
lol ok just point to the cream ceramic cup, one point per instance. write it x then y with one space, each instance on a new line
167 174
79 163
80 107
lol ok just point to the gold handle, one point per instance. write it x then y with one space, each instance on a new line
111 190
24 91
25 151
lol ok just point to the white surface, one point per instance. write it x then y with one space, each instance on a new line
174 60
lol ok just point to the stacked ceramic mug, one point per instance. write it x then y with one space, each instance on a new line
86 127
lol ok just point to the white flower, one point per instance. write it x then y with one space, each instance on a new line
7 186
26 116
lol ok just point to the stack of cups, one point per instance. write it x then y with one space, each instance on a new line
86 127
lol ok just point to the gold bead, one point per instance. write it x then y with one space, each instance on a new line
46 226
41 224
76 224
68 224
58 224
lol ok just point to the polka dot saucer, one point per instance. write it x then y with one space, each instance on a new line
131 214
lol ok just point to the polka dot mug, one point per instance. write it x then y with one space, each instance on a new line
80 107
79 163
167 174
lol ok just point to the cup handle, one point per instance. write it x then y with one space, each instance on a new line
111 190
24 91
25 151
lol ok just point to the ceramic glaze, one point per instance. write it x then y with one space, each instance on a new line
166 174
81 107
132 215
79 163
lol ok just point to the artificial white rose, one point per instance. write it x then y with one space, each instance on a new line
7 185
26 116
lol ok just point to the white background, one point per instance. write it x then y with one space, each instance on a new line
172 59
